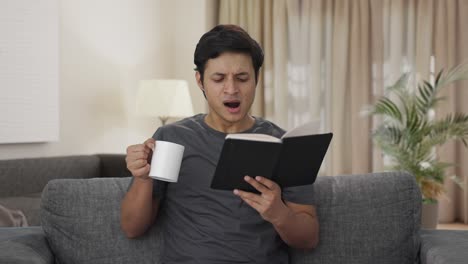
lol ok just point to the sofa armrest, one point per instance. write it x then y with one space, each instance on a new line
444 246
24 245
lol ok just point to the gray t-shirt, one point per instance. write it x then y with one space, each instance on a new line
203 225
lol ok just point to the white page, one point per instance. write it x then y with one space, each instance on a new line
309 128
254 137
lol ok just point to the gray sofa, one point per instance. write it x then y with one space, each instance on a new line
372 218
22 180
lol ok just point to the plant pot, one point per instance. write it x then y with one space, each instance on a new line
429 215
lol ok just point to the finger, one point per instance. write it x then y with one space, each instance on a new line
248 195
150 143
256 184
132 148
137 164
147 150
150 140
131 158
267 182
144 171
138 155
138 149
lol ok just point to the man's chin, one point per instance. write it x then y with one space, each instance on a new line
224 115
235 117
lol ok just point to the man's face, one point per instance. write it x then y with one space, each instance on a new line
229 84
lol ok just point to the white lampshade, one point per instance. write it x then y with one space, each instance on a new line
164 98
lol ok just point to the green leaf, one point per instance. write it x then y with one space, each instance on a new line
410 137
437 79
387 108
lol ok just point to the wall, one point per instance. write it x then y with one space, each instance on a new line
106 47
29 71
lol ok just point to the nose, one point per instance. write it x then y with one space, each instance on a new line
230 86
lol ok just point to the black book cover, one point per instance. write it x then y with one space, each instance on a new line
293 162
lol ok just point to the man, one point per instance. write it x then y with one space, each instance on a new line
200 224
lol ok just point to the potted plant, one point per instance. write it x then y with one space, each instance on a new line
409 131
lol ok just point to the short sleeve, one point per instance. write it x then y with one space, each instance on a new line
299 194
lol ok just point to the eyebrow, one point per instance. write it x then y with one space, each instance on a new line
237 74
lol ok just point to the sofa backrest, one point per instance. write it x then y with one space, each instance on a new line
113 166
372 218
22 180
30 175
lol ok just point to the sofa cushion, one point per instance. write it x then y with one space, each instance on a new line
371 218
444 246
27 204
81 219
24 245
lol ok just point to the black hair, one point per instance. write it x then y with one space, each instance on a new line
225 38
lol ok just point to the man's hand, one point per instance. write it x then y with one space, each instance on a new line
139 157
296 224
268 203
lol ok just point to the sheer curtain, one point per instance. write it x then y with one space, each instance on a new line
309 54
450 47
266 22
326 59
425 37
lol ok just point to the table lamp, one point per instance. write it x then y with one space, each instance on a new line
164 99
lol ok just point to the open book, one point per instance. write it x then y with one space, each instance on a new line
292 160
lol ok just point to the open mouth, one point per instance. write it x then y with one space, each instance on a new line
233 106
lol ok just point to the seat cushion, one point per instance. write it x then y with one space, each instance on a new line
81 218
444 246
20 245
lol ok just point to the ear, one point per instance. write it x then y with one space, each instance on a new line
199 81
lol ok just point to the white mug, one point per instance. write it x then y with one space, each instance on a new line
166 161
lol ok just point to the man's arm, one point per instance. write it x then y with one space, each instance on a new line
296 224
299 228
139 208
